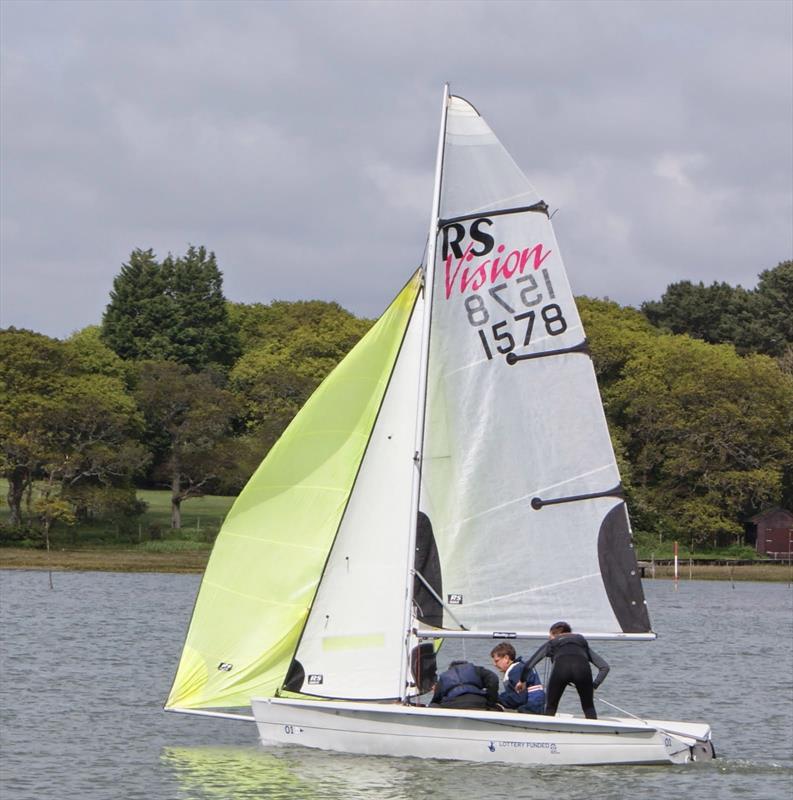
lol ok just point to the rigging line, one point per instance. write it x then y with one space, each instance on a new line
533 589
259 600
302 487
575 478
435 595
526 496
617 708
277 542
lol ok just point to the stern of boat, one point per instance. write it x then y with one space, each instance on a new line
695 736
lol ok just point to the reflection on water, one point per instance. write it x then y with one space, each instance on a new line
294 773
231 772
223 772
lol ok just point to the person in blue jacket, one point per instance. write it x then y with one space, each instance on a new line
530 697
464 685
571 655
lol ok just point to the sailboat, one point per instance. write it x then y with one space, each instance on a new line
452 478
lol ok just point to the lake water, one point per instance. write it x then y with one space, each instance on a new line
86 667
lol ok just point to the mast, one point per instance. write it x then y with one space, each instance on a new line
429 282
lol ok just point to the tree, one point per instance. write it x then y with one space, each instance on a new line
708 433
716 313
32 368
202 332
61 424
194 414
614 334
91 355
139 317
174 311
289 348
772 311
755 321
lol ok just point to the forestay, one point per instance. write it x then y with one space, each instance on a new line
519 479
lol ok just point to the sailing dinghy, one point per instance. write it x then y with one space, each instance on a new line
452 477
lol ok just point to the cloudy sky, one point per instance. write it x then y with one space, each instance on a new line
296 140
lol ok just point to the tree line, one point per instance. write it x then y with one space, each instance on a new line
181 389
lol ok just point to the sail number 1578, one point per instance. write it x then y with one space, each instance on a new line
504 339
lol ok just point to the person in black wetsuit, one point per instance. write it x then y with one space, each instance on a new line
464 685
570 654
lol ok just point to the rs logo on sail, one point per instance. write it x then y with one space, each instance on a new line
481 243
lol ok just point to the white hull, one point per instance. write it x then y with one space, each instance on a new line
480 736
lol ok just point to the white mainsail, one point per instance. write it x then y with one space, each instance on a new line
519 479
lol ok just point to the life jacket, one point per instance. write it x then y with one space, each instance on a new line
532 698
460 679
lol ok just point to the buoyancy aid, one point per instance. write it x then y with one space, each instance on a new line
532 698
460 679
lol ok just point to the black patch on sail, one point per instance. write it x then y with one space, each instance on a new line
620 575
428 609
294 677
424 666
428 563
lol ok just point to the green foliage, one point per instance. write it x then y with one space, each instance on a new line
193 414
174 311
289 348
708 433
703 436
61 422
756 321
90 355
773 311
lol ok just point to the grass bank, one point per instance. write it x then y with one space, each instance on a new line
168 556
763 571
106 559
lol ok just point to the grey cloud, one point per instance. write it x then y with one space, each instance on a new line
297 141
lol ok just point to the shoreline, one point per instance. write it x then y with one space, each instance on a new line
194 561
103 560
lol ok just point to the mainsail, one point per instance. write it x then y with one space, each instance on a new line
519 479
262 577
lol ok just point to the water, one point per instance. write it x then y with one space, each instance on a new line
86 667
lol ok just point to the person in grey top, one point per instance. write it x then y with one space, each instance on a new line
571 656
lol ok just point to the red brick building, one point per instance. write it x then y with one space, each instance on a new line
774 529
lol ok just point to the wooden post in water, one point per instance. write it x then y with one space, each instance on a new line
690 566
677 575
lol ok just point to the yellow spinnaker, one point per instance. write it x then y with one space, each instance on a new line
266 564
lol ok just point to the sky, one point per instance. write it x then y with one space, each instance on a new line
297 141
